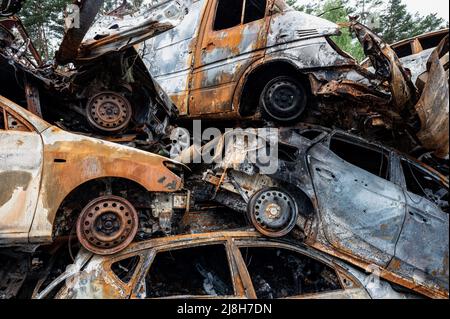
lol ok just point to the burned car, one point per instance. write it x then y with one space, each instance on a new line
98 86
353 199
234 264
241 61
55 183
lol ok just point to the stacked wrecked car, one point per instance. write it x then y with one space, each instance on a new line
340 174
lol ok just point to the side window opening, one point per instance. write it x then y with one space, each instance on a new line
2 120
281 273
228 14
311 134
371 160
125 268
12 123
198 271
287 153
422 184
254 10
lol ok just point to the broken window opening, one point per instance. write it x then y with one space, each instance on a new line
228 14
2 120
281 273
198 271
422 184
287 153
311 134
13 124
254 10
374 161
125 268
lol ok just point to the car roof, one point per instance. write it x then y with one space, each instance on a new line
431 170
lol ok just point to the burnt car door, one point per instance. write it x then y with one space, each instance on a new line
233 35
361 212
20 176
170 55
197 270
422 250
281 271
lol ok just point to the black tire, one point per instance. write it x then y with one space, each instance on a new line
283 99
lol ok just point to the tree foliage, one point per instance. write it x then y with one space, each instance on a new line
44 21
389 18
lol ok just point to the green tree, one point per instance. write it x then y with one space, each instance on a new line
336 11
44 21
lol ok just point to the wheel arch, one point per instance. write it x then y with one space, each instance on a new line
257 76
81 191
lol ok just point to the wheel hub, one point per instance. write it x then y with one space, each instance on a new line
107 225
273 211
109 112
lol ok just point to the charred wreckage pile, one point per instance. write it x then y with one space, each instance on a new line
99 196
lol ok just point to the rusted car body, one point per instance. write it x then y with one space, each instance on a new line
223 63
123 104
241 268
419 83
353 199
433 105
50 177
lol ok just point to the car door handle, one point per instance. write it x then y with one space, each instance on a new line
418 217
325 173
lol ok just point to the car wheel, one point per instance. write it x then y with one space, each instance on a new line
283 99
109 112
107 225
272 211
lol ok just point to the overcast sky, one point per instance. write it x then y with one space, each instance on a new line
424 7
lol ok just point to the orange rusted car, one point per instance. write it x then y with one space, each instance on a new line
235 264
54 183
231 59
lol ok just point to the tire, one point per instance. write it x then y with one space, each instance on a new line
283 99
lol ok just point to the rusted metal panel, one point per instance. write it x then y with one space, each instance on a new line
169 56
97 280
73 37
87 159
20 176
113 34
387 65
33 101
214 64
433 105
38 185
221 57
361 217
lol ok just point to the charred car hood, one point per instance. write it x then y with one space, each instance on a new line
112 33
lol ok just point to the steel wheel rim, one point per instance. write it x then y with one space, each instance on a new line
107 225
284 101
109 112
273 212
